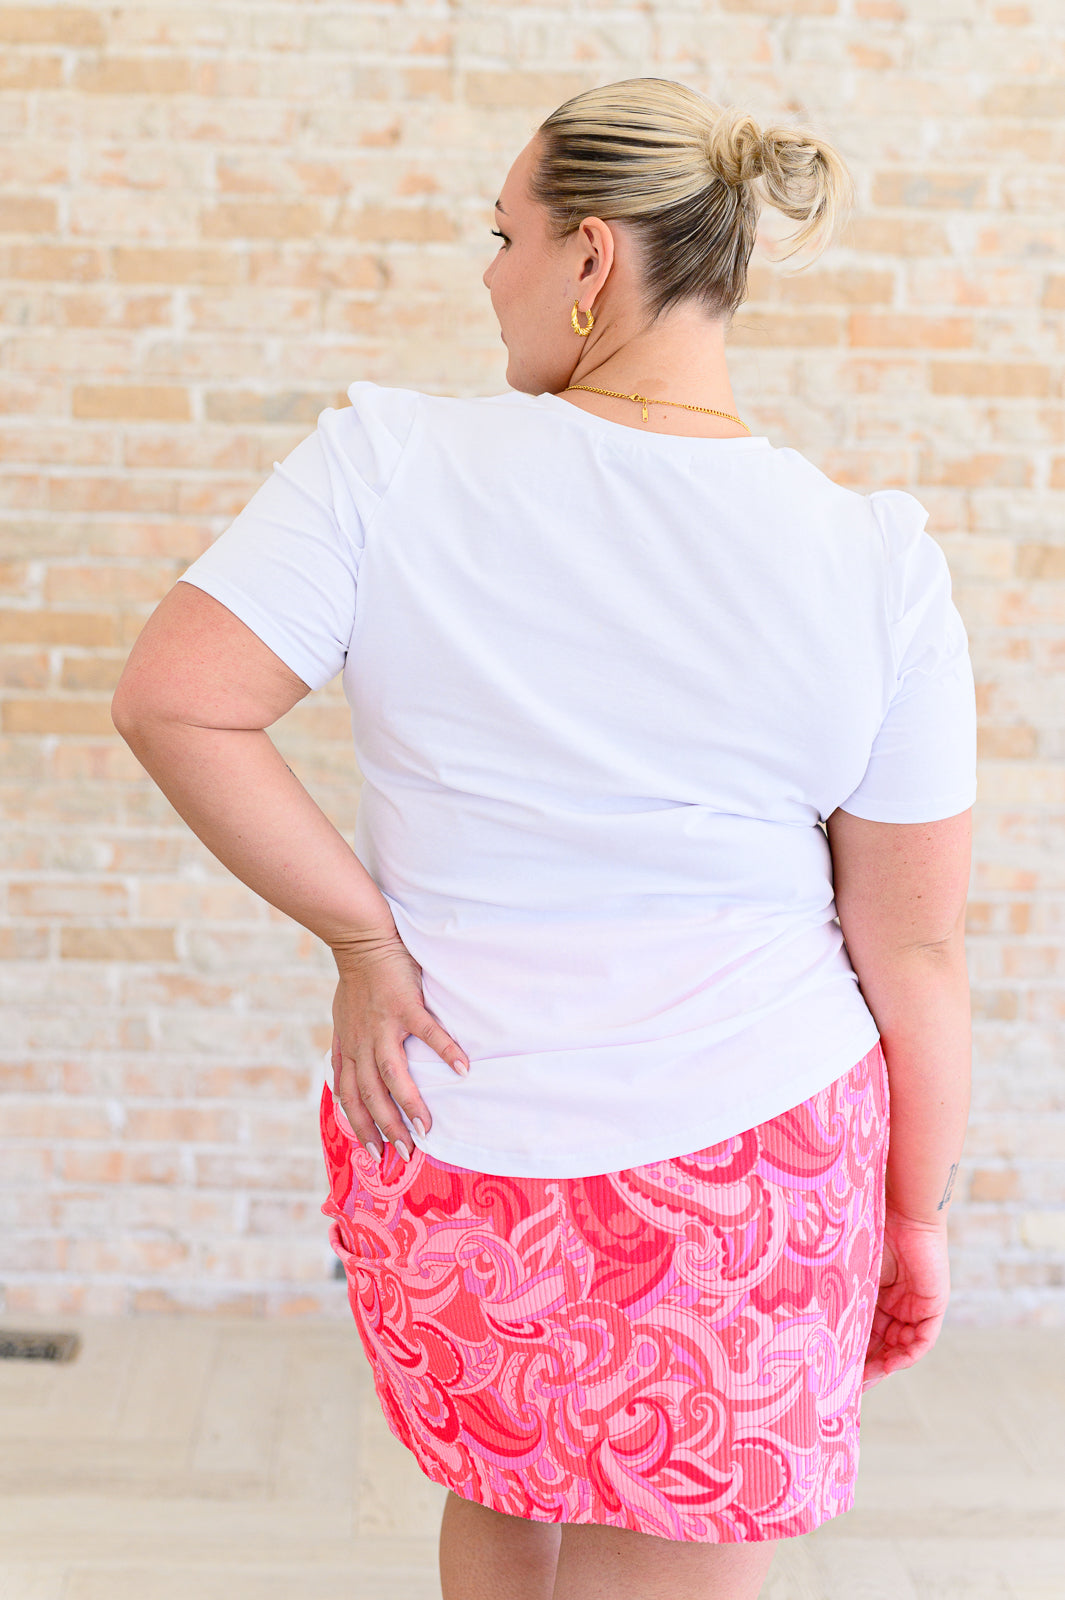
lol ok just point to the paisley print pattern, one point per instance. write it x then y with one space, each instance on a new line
675 1348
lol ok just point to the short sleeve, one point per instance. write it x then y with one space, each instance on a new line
288 564
922 766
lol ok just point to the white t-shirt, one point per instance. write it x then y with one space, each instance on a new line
605 685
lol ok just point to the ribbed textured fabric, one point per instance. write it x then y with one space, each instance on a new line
675 1348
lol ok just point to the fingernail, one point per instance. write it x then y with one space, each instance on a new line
460 1066
374 1151
418 1126
401 1147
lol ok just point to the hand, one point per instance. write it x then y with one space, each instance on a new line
914 1291
379 1002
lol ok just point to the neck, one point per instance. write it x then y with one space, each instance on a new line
681 361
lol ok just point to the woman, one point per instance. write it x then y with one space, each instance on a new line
642 704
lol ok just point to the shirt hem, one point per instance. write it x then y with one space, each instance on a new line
747 1114
264 626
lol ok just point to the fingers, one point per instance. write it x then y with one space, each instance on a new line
373 1084
894 1346
361 1123
437 1038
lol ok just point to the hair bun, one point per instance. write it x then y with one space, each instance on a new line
735 147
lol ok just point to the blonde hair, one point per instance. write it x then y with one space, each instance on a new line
690 177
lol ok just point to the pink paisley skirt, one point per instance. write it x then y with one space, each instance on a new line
675 1348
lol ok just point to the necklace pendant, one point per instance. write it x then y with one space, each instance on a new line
643 403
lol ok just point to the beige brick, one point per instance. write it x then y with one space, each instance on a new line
180 1125
990 378
885 236
52 1119
770 329
131 213
135 402
1041 561
92 1166
30 72
27 397
261 1260
227 900
167 988
27 214
289 406
1044 1230
228 77
829 287
133 75
135 264
143 853
70 898
277 1169
205 449
120 493
117 944
210 359
14 577
940 191
328 266
935 333
94 671
249 308
22 944
53 446
34 715
222 122
68 25
262 220
36 1252
976 471
171 1302
217 499
250 1082
1028 99
29 1166
213 220
103 309
156 1167
993 1184
42 162
119 582
75 761
996 1005
419 224
56 627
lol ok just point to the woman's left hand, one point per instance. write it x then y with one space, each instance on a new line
378 1002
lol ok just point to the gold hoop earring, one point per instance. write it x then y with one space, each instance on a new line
576 325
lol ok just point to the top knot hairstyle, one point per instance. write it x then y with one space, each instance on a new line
690 177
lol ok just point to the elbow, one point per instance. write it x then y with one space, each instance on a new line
126 715
121 713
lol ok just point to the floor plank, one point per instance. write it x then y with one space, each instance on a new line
222 1459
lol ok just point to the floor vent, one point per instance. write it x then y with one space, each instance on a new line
37 1346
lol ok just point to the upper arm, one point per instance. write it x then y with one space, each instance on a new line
266 613
195 661
899 886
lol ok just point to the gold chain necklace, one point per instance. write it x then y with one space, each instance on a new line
644 401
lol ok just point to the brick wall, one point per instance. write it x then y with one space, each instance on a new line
212 219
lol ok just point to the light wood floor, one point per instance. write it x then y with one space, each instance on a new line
204 1459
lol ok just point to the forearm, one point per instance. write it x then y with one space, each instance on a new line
921 1004
237 795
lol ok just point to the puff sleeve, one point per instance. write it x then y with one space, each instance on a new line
288 564
922 766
